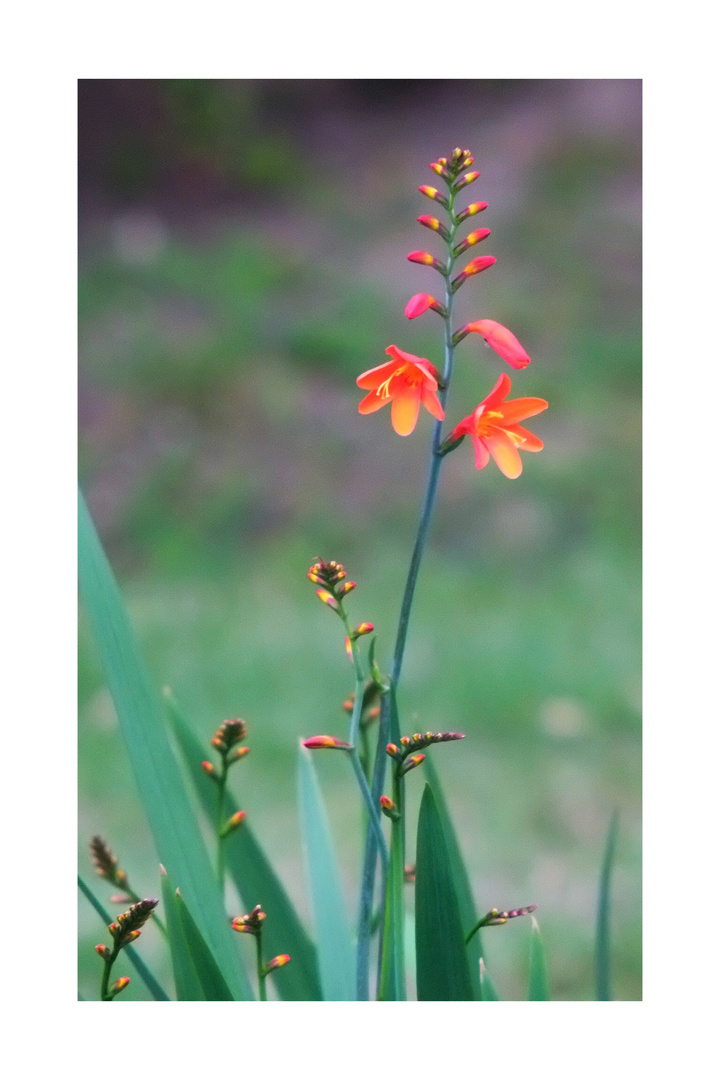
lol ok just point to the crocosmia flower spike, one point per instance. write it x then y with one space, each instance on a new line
495 430
407 381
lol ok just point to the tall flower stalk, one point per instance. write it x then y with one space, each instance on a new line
407 382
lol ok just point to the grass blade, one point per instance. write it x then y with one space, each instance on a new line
177 837
539 988
187 983
392 960
253 876
441 956
461 880
487 986
135 959
602 936
335 950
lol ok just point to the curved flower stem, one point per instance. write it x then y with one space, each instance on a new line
368 883
262 993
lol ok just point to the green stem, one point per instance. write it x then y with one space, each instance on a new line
392 961
104 985
368 880
262 993
220 821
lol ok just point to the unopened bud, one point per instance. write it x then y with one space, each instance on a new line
468 178
470 211
475 266
419 303
277 962
433 193
119 985
329 599
389 808
102 950
346 588
325 742
470 240
393 750
364 628
440 170
241 752
433 223
426 259
232 822
209 768
412 763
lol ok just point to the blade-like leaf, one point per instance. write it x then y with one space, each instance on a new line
602 936
177 836
539 987
461 880
254 877
135 959
210 977
487 986
187 983
391 986
335 952
441 956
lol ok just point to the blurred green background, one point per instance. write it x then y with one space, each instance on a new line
242 260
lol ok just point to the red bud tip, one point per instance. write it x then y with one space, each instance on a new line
419 303
348 650
423 257
325 742
429 222
433 193
413 762
328 598
364 628
392 750
471 239
475 266
277 962
102 950
471 210
241 752
346 588
468 178
119 985
208 767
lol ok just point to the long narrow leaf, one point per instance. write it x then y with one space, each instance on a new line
210 977
177 836
602 935
461 880
487 986
187 983
441 956
138 963
539 987
254 877
392 960
335 951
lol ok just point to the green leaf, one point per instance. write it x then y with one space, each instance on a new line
177 837
335 950
138 963
602 935
392 960
539 988
197 976
187 983
487 986
461 881
441 956
253 876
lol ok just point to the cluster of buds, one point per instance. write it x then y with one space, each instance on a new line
225 741
497 918
250 924
106 865
127 928
405 755
331 577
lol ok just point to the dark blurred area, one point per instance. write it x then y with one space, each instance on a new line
242 260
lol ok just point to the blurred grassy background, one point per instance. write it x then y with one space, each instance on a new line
242 259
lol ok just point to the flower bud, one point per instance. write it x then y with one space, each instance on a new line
499 338
434 224
325 742
440 170
209 768
346 588
119 985
412 763
389 808
232 822
475 266
364 628
469 211
393 751
102 950
329 599
426 259
241 752
470 240
420 302
468 178
433 193
277 962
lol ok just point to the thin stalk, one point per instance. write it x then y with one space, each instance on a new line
262 993
222 783
392 964
104 986
368 879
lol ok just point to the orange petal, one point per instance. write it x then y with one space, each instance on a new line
521 408
505 453
372 402
370 380
430 400
502 341
482 455
531 442
497 395
404 357
418 303
405 409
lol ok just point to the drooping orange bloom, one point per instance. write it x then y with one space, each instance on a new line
495 430
407 381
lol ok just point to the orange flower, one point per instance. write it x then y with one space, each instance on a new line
495 430
406 380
